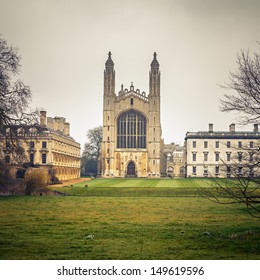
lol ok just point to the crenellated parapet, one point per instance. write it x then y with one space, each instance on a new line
124 93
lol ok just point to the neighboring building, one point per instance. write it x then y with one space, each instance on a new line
132 144
222 153
175 160
47 144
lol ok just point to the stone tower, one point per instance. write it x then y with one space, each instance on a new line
131 144
155 132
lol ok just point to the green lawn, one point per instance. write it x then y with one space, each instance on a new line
125 226
136 187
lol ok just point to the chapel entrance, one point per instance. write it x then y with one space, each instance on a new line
131 169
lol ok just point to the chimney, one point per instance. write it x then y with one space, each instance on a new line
67 128
232 128
255 128
56 124
211 127
43 119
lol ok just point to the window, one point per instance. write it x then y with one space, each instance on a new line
108 151
205 156
228 171
239 144
251 144
194 156
43 158
131 101
170 169
217 144
228 144
33 131
108 161
194 170
7 159
240 156
108 139
251 157
217 170
20 132
251 171
131 130
193 144
228 156
32 144
44 144
7 144
239 171
217 156
31 158
205 172
108 128
205 144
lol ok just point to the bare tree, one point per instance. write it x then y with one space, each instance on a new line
242 187
245 86
14 95
89 159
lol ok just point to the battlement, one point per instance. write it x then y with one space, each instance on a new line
124 92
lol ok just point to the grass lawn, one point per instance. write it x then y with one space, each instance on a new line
133 219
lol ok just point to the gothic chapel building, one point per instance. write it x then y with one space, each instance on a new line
132 144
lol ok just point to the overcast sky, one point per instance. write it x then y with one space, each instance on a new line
64 46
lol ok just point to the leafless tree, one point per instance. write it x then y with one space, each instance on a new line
14 95
245 87
242 187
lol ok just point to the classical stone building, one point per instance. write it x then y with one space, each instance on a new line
222 153
132 144
175 160
45 145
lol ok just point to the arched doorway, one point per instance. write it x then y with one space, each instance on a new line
131 169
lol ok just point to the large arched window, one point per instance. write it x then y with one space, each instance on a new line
131 130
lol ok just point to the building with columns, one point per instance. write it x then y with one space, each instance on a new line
132 145
222 153
44 145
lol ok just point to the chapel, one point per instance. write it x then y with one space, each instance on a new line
132 145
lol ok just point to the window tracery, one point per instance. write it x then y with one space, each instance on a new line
131 130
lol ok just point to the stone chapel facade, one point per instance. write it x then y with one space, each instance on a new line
131 144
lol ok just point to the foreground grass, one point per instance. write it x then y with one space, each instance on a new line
176 227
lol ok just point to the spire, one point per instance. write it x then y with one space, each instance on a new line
109 77
109 62
155 63
154 83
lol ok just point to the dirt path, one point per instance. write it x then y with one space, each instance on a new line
72 182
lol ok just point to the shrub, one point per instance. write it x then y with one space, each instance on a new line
36 180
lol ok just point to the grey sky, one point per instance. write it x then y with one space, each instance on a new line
64 46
